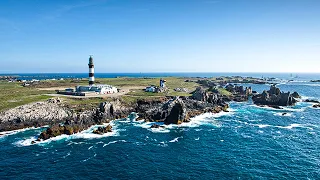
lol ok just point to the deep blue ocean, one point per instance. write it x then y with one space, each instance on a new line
40 76
249 142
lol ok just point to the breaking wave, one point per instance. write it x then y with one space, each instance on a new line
86 134
203 119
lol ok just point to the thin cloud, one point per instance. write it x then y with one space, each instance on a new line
67 8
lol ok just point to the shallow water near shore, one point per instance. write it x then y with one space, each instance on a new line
249 142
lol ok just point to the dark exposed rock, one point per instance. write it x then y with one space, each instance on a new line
200 94
176 112
311 101
170 110
295 95
206 83
275 106
274 97
316 106
103 130
107 111
239 90
155 126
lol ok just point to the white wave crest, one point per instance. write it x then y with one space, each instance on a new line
203 119
291 126
9 133
86 134
313 85
112 142
283 114
175 139
283 108
263 125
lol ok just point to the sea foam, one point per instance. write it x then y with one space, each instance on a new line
203 119
86 134
9 133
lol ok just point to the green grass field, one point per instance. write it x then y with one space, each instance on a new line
13 94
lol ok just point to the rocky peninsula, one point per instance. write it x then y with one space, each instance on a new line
208 96
62 120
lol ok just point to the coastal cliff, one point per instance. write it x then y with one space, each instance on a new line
63 119
274 97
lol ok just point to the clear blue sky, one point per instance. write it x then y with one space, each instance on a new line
160 35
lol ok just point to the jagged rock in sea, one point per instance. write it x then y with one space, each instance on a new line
155 126
295 95
311 101
103 130
176 112
274 97
316 105
171 112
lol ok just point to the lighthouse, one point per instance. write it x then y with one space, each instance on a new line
91 71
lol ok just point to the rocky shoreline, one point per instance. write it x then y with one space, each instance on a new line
169 110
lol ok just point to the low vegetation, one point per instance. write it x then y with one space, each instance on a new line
13 95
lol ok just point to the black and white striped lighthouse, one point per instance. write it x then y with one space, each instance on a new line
91 71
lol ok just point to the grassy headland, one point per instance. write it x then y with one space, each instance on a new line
13 94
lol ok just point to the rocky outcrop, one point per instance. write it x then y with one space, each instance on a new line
171 112
239 93
103 130
274 97
311 101
176 112
200 94
34 114
113 110
296 95
155 126
316 106
239 90
83 120
56 131
61 120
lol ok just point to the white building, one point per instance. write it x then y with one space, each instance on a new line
100 89
150 89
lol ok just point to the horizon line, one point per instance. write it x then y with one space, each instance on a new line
153 72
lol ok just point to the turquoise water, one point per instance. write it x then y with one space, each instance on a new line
249 142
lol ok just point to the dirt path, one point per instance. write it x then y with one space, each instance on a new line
124 90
